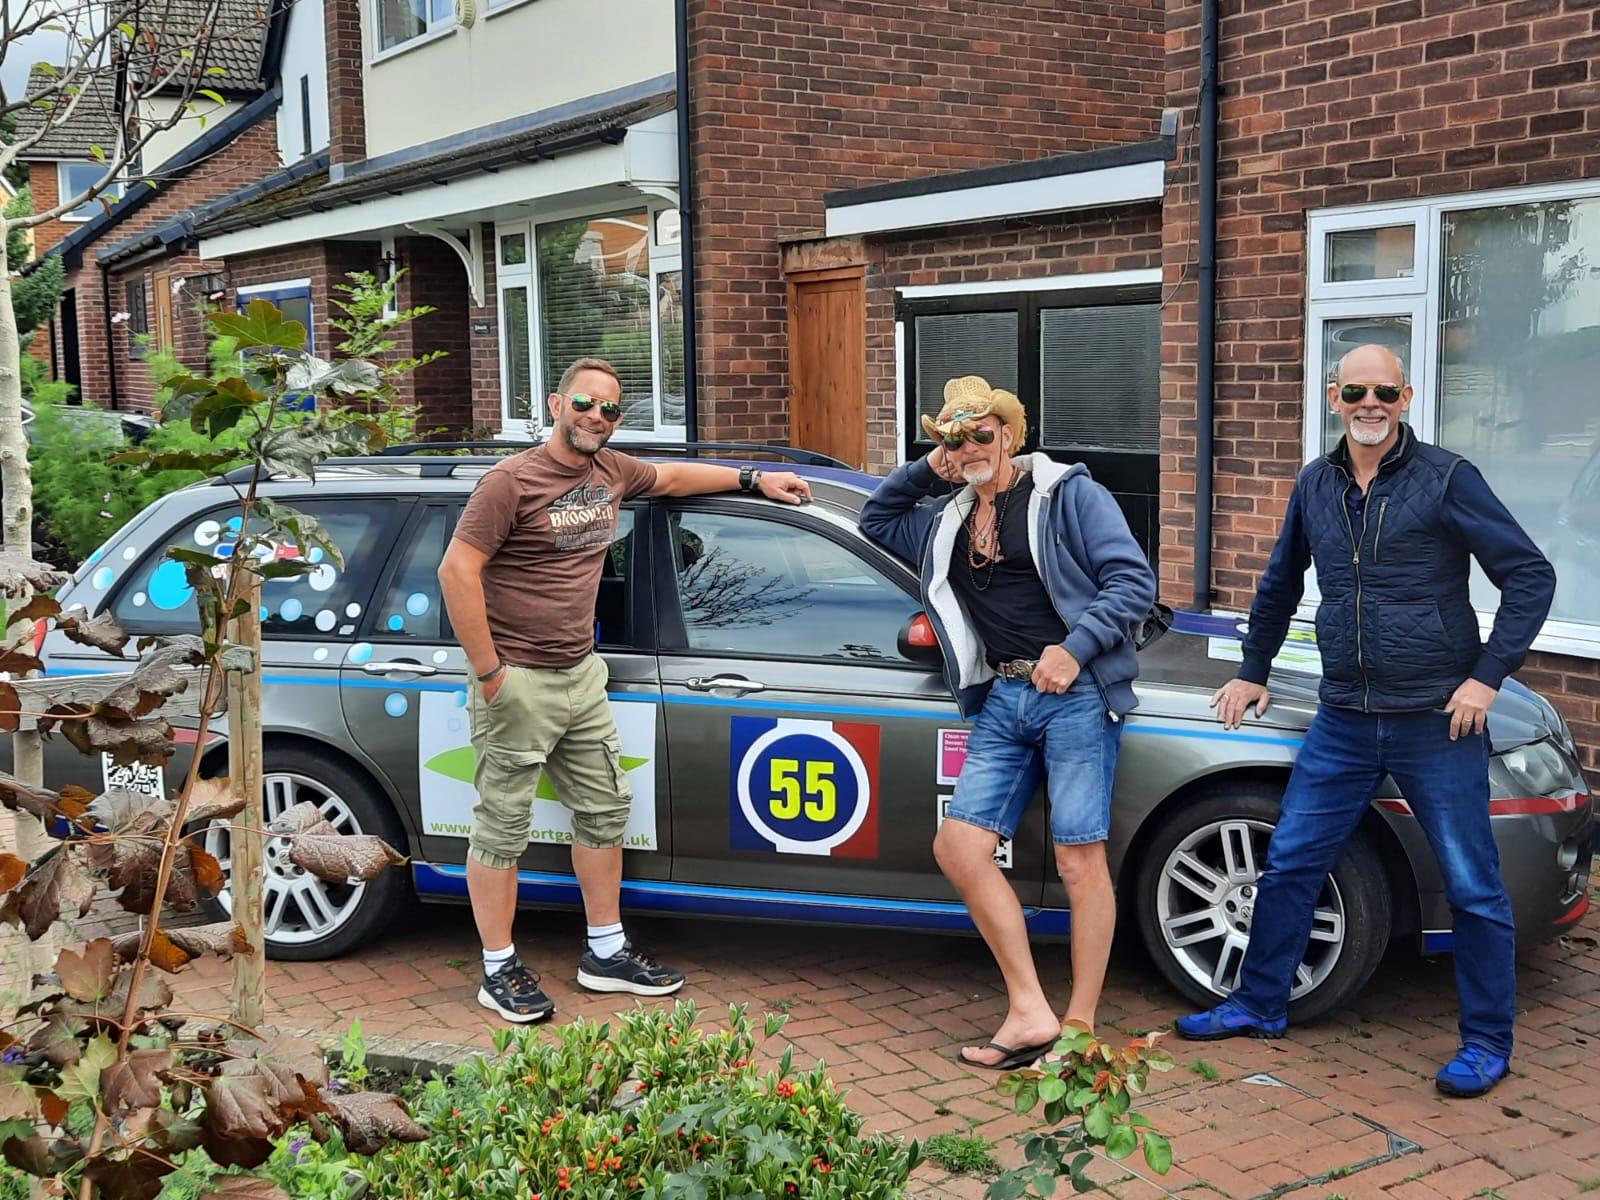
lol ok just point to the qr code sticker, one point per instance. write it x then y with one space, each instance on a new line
1002 852
143 778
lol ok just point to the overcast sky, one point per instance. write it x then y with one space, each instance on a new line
18 59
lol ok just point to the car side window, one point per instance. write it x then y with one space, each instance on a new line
326 602
411 608
762 587
613 608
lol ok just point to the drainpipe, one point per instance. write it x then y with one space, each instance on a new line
111 330
1206 359
691 388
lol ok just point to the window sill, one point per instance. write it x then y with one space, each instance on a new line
416 43
496 9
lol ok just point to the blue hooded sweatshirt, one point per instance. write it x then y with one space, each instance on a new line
1093 571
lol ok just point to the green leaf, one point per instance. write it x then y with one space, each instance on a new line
1027 1096
261 324
1122 1142
1158 1153
214 97
1052 1088
1139 1120
81 1081
1097 1122
207 463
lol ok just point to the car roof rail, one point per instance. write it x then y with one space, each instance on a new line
809 458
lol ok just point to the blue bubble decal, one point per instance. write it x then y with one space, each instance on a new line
361 652
291 609
461 699
103 578
235 524
96 556
397 622
315 554
396 705
416 604
169 587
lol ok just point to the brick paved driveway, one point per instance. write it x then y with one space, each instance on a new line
1344 1109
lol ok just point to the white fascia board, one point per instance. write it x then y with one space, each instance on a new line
1127 184
593 167
1034 283
651 150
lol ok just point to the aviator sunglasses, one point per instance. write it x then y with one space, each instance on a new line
1355 393
609 409
983 435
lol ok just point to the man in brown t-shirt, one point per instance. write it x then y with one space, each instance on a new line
520 580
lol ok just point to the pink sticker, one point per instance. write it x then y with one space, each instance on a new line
952 753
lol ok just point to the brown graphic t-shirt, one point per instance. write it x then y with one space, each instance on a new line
546 528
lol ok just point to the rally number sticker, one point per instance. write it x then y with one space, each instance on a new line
804 787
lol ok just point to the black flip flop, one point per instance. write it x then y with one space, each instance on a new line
1015 1058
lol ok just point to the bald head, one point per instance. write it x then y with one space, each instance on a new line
1372 363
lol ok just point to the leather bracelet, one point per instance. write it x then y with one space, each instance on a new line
500 670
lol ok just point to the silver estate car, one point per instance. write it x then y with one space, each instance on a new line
790 741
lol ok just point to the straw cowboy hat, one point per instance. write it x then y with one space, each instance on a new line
970 398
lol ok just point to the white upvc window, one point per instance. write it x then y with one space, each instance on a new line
75 177
581 284
400 22
1492 300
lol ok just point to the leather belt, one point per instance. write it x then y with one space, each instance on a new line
1017 668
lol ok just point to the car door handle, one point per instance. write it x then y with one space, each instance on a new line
399 667
725 683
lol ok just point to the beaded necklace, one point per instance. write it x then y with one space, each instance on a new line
990 561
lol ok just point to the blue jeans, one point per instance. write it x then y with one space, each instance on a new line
1023 733
1344 759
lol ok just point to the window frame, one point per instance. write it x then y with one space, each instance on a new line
371 628
663 260
89 209
277 292
1425 292
671 633
138 311
434 29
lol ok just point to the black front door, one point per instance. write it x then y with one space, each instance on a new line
70 369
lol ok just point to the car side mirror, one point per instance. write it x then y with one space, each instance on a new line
917 641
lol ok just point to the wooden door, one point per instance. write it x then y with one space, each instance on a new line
162 302
828 362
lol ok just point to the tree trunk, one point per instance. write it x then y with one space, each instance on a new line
245 842
16 499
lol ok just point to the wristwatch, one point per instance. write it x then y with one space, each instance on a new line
749 479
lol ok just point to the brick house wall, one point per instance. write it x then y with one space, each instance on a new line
323 264
793 101
436 278
249 156
44 180
1340 102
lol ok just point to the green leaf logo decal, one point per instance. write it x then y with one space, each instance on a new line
459 764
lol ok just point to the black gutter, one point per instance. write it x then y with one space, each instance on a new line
1206 357
691 374
111 331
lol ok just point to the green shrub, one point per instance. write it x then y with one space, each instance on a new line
968 1155
649 1107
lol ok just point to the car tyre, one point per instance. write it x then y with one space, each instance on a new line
1196 879
302 927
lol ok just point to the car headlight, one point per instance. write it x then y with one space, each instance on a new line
1539 768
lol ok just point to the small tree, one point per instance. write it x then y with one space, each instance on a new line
115 62
103 1084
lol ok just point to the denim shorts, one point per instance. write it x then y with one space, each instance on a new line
1023 733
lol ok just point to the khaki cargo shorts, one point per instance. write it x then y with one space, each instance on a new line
555 720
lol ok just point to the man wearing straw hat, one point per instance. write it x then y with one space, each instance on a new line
1035 585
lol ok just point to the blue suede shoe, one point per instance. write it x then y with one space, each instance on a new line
1472 1072
1227 1020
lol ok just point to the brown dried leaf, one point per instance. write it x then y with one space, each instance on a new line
135 1082
138 1176
18 662
245 1187
213 800
369 1121
207 870
123 811
17 1099
304 817
22 576
57 1041
57 882
154 994
102 632
74 802
13 871
339 858
30 1155
53 1108
239 1107
156 677
126 740
24 797
131 864
42 605
185 944
88 976
10 709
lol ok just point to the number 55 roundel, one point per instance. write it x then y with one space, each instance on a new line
804 787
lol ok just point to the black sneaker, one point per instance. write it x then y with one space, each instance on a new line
628 971
514 993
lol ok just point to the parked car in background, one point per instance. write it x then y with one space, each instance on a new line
788 733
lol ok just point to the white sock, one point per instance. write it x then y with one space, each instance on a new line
605 941
495 961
